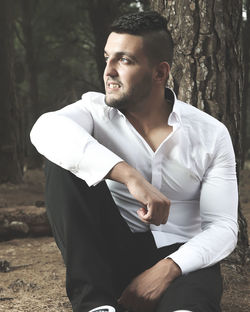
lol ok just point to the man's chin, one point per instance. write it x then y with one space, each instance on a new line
109 100
113 101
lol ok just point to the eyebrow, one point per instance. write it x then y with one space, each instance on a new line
121 53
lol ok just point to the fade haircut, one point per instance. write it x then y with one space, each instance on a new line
152 26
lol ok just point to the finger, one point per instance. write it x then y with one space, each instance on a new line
164 221
125 300
143 220
165 218
147 214
142 213
155 218
148 218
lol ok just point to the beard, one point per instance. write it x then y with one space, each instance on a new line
131 98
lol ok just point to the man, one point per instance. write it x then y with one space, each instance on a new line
151 239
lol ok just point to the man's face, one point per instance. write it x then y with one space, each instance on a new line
128 75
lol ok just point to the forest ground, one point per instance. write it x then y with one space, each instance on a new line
36 280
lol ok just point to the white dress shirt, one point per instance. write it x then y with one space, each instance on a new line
194 167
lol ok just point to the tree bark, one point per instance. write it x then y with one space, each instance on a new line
207 66
246 88
10 149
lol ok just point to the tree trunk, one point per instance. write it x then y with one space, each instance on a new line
101 14
207 66
32 106
246 88
10 151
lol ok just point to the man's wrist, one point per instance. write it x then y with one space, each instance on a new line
173 268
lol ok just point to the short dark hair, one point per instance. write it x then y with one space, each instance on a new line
152 26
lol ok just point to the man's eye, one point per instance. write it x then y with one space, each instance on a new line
124 60
106 58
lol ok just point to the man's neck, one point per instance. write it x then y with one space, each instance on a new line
152 121
151 114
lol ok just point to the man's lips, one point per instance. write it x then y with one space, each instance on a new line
113 85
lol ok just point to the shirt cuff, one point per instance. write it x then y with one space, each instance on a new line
185 260
96 163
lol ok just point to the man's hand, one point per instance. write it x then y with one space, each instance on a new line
156 206
144 292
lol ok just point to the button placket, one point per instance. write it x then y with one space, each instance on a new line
156 170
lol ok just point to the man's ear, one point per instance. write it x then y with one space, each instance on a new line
162 72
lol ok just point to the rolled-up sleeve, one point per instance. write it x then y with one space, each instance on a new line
218 211
65 138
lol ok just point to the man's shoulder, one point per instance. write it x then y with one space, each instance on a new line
93 102
93 97
202 129
193 116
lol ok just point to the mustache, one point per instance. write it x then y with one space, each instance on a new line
114 80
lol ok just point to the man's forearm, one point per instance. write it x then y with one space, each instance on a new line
155 205
123 172
145 290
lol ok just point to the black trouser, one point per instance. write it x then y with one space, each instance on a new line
102 255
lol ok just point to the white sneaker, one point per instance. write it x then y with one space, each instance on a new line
105 308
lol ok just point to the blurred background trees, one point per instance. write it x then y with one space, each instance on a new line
52 51
56 55
11 154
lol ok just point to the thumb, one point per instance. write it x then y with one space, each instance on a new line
142 212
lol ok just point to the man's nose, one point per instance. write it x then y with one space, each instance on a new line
110 69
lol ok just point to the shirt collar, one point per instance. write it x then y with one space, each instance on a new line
174 117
